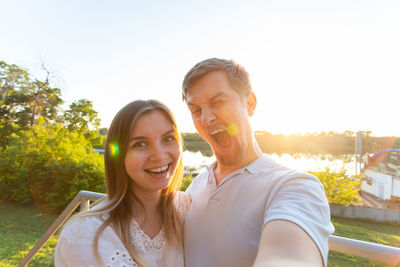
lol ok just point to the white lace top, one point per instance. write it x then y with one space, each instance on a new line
75 244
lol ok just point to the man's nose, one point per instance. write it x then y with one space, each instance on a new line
207 115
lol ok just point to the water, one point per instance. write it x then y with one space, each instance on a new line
301 162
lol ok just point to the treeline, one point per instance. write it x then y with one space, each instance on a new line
194 143
314 143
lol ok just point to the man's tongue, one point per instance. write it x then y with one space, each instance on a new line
222 138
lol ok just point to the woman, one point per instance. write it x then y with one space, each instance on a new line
139 223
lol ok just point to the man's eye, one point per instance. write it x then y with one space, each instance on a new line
218 102
196 111
138 144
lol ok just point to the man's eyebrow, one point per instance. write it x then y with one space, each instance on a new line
219 94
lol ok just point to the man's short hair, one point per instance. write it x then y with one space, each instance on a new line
237 75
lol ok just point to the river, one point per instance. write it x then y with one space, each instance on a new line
301 162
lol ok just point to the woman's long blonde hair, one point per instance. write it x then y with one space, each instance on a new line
120 198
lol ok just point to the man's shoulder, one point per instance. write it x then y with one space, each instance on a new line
199 181
272 170
203 175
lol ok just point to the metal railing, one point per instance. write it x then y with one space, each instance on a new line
83 199
382 253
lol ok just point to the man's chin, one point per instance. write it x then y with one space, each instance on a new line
228 160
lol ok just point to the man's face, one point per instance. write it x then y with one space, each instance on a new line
221 117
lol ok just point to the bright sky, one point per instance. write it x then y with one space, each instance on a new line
315 65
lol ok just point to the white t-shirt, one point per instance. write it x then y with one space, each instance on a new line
224 223
75 244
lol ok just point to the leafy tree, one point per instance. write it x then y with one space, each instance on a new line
340 188
81 116
42 101
41 159
13 81
48 166
24 99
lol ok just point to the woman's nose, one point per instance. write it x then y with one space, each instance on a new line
158 153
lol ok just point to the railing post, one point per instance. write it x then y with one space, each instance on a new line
84 204
52 229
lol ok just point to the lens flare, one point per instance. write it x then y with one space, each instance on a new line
114 150
232 129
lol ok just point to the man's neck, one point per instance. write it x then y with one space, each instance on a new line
221 170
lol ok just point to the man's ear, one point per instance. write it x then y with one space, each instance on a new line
251 103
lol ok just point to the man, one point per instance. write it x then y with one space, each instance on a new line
246 209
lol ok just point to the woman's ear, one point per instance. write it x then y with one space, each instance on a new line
251 103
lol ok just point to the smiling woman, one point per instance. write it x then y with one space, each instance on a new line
140 221
153 153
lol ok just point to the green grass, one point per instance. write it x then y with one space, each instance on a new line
22 226
377 233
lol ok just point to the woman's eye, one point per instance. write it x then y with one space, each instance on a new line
169 138
138 145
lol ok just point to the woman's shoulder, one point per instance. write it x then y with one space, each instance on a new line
86 222
75 246
81 225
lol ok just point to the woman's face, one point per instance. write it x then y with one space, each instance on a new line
152 154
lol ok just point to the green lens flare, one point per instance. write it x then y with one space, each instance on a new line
232 129
114 150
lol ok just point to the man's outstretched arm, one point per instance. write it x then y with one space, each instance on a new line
284 243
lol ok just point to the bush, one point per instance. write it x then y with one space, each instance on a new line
49 166
340 188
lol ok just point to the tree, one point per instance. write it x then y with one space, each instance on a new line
42 101
43 159
13 81
81 116
49 165
24 99
340 188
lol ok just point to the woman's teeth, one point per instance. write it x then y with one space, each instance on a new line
157 170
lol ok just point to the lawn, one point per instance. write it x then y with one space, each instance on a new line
21 227
16 239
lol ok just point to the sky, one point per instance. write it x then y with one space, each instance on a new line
314 65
